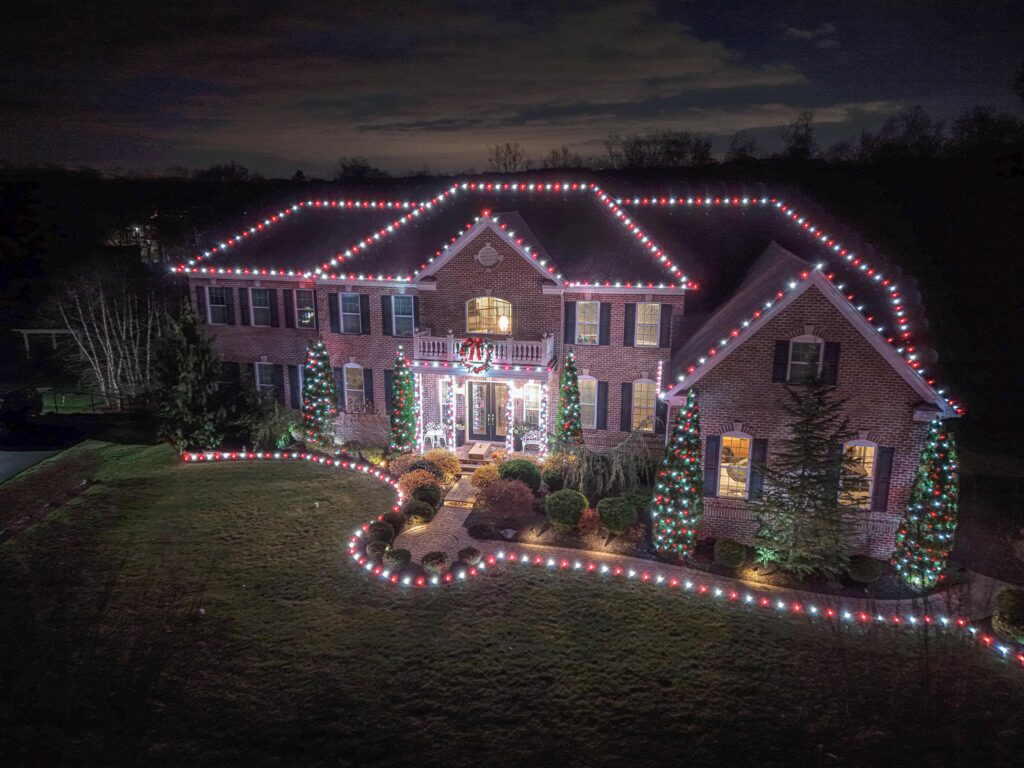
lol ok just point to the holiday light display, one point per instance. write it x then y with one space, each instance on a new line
509 432
403 407
925 537
417 379
543 451
568 424
475 355
448 415
319 398
678 502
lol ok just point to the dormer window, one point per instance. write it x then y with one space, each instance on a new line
489 315
805 357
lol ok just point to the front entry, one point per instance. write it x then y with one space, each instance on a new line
487 417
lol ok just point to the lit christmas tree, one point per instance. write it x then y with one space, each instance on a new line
403 407
678 502
925 536
568 426
319 398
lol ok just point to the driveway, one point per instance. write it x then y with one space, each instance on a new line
13 462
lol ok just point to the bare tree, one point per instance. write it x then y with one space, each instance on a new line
658 149
508 158
742 147
798 138
563 157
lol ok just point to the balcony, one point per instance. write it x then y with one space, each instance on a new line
427 348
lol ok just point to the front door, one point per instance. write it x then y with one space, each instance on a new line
487 417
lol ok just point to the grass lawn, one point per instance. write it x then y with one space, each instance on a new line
193 615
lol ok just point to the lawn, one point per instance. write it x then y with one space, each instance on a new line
190 615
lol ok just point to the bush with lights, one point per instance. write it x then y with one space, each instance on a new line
319 398
568 425
403 407
678 502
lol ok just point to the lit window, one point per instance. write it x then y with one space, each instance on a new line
859 471
265 383
355 396
588 402
259 299
588 317
217 301
804 359
734 467
531 403
486 314
643 406
648 325
305 310
402 315
351 314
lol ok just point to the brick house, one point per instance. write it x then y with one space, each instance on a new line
542 269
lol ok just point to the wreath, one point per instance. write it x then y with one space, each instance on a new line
475 354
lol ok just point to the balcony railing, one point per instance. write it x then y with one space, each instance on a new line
506 351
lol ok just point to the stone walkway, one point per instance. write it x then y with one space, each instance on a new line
973 600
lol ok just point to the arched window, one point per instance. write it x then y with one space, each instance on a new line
588 402
734 465
805 358
355 390
487 314
644 405
859 472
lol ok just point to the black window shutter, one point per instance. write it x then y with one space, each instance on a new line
416 313
232 372
883 475
604 334
293 385
830 363
279 383
201 303
626 407
368 385
389 396
758 458
243 304
333 304
385 315
712 454
602 405
629 331
289 309
274 320
780 360
252 373
339 383
665 331
364 313
230 306
660 416
570 322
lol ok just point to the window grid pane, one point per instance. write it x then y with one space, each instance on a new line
218 303
588 403
734 467
531 404
401 310
305 314
648 325
351 313
484 315
860 465
803 360
354 395
264 376
260 300
643 406
588 315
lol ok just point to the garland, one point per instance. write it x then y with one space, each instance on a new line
475 354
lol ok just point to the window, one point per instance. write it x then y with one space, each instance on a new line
648 325
217 301
355 396
305 309
351 314
260 306
734 467
588 402
265 378
588 317
442 399
402 315
487 314
531 403
804 359
643 406
859 472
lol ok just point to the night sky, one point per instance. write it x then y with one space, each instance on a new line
124 86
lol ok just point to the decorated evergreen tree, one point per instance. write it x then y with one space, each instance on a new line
568 426
319 398
678 502
925 536
190 409
403 407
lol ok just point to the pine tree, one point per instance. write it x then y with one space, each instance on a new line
924 539
319 398
568 426
801 516
403 408
678 502
190 410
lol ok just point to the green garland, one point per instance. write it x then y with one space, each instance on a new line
678 502
403 407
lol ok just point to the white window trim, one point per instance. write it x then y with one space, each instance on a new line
636 325
805 339
359 314
597 337
260 388
395 315
874 466
362 377
654 405
490 333
721 464
227 307
540 394
295 308
596 396
252 309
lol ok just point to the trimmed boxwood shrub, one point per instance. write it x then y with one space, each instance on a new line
1008 619
469 555
484 475
554 478
436 562
729 553
377 548
447 462
395 519
380 531
864 570
427 466
417 512
396 559
432 494
617 513
565 507
523 470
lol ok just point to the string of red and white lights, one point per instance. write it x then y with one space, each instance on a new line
418 383
449 415
509 416
543 417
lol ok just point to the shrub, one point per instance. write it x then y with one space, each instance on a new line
469 555
427 466
410 481
432 494
507 497
484 475
617 513
447 462
729 553
864 570
523 470
398 463
553 477
376 548
395 519
590 522
417 512
396 559
380 531
483 531
436 562
565 507
1008 619
373 454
